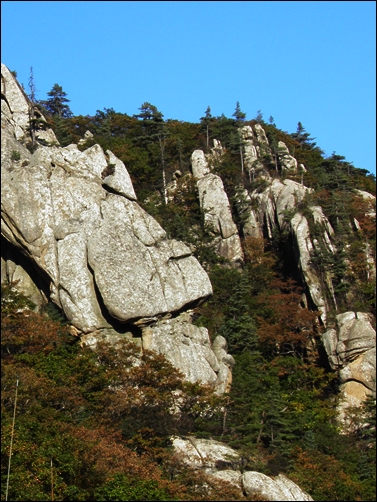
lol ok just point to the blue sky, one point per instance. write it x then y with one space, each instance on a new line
313 62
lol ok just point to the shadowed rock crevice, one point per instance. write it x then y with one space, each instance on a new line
15 266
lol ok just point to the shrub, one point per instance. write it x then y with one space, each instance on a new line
15 155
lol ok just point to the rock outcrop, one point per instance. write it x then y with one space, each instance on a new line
277 208
74 234
222 462
189 348
217 213
287 162
351 350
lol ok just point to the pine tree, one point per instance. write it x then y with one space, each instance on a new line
239 328
56 104
154 128
240 117
206 122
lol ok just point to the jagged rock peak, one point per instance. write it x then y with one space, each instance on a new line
215 204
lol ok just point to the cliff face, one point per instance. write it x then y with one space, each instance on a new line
75 234
350 342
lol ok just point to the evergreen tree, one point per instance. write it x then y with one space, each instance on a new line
57 103
303 137
239 328
206 122
259 117
240 117
154 128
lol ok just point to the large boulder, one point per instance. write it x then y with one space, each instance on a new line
351 350
75 218
214 203
189 348
222 462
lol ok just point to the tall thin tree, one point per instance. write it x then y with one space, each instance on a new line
11 440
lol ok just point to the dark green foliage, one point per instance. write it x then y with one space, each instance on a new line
15 155
239 328
56 104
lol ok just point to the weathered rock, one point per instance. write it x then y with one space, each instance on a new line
354 336
102 257
304 249
199 164
288 163
188 348
351 349
263 147
205 453
277 207
88 136
218 216
279 488
222 462
250 151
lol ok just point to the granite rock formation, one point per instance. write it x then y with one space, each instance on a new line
74 234
351 350
215 204
222 462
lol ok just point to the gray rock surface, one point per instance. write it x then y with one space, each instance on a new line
277 207
222 462
250 151
188 348
351 349
288 163
279 488
218 216
199 164
102 256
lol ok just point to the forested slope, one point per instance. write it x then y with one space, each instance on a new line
78 436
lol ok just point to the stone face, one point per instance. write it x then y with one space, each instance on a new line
188 348
288 163
222 462
351 349
74 216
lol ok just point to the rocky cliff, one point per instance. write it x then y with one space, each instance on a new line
214 203
280 207
75 235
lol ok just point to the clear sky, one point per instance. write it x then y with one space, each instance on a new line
313 62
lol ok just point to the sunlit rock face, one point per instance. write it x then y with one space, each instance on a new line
276 208
103 256
75 234
222 462
189 348
351 350
214 203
